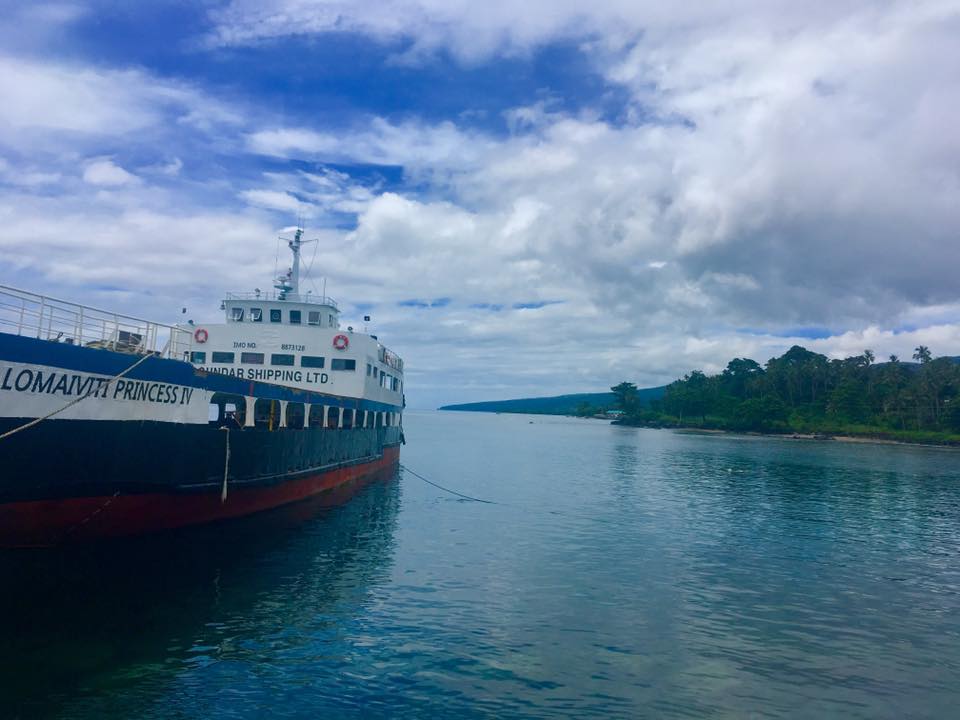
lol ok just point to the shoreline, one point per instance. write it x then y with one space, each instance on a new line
817 437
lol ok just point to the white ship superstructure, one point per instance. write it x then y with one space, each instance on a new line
294 339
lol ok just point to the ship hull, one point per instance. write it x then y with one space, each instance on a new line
140 457
55 521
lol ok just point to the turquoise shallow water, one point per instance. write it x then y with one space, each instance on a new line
625 573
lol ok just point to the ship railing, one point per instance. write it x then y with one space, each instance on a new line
47 318
285 297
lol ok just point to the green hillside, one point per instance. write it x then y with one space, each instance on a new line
555 405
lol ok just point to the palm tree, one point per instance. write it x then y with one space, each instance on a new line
627 397
922 354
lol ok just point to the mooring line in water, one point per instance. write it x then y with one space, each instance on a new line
446 489
39 420
70 530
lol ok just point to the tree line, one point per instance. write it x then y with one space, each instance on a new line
803 391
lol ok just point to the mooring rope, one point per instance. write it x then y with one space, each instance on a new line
226 467
446 489
70 530
70 404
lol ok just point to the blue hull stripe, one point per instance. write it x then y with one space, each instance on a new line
15 348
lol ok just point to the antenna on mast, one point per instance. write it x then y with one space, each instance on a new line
289 283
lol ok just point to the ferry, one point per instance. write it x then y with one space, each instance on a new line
112 425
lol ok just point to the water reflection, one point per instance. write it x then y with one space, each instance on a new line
78 624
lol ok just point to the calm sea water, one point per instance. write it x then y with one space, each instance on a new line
624 573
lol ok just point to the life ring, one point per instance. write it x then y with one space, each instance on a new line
201 335
341 342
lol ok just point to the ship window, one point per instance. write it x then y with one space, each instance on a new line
256 315
198 358
281 359
294 317
251 358
222 357
311 361
369 368
313 317
343 364
274 316
236 314
375 372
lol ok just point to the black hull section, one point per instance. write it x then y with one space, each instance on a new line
87 458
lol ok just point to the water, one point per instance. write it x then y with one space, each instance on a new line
625 573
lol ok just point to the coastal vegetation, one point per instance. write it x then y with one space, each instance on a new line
808 393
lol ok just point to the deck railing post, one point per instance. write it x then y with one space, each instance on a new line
40 319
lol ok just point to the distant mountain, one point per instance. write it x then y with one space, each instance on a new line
555 405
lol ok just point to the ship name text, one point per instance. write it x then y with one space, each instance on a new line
74 385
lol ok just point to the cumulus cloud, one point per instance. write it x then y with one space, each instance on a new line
56 107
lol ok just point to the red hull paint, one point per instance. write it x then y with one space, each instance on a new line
43 523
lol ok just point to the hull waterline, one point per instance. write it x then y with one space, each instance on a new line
49 522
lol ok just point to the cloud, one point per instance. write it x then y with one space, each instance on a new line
57 107
272 200
105 173
470 32
772 174
377 141
170 169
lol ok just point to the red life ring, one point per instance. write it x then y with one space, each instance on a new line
201 335
341 342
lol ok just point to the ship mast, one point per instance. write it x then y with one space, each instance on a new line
289 283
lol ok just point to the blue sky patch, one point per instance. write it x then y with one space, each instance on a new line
535 304
812 332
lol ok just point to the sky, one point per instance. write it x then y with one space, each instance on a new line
528 198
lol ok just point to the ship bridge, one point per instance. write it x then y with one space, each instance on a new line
281 308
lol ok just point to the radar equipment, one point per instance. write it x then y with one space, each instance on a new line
288 284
